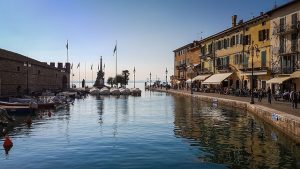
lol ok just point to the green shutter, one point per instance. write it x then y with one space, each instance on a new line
263 59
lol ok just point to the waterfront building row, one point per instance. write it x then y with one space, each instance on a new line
21 75
270 41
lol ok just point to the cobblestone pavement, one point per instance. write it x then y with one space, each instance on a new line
282 106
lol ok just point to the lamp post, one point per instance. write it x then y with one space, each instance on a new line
28 65
134 77
251 49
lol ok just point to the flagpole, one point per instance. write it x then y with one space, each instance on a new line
72 74
116 60
67 51
79 77
92 75
84 72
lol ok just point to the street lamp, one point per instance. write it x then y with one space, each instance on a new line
28 65
134 77
251 49
166 79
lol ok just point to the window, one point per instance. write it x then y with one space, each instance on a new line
39 72
241 38
18 68
282 24
232 42
237 39
263 59
281 44
263 35
263 23
294 20
247 39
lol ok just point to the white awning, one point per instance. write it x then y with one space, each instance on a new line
278 80
200 77
188 81
255 73
296 74
217 78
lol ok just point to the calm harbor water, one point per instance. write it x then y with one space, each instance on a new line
155 130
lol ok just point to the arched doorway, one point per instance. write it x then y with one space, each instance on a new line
64 82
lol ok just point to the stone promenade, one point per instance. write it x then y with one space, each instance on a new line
280 114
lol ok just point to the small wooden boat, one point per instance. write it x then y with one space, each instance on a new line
17 110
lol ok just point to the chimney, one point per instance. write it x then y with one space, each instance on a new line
234 20
52 64
241 21
261 13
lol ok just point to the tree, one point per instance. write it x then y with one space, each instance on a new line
125 74
110 81
118 79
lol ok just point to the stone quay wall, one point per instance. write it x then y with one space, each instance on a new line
288 124
18 72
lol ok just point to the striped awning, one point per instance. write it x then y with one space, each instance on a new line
200 77
295 74
217 78
278 80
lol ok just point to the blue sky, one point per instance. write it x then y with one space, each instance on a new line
147 31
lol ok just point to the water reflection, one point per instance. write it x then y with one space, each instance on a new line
232 137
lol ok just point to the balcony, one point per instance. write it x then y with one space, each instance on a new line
294 47
286 29
223 67
287 70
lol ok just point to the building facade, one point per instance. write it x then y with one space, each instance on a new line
185 58
248 50
285 28
22 75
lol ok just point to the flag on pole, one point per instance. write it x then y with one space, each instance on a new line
115 49
98 66
72 66
104 66
67 45
78 65
92 67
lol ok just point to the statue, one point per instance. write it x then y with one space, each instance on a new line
99 83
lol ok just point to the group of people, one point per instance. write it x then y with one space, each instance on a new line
292 96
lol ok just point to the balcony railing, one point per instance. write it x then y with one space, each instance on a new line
287 70
223 67
285 29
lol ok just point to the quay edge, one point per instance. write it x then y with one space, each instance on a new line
287 123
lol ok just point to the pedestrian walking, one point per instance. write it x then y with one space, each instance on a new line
294 98
269 93
260 95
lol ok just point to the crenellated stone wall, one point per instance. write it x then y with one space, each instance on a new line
17 72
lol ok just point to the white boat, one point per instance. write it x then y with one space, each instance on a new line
94 91
124 91
135 91
114 91
104 91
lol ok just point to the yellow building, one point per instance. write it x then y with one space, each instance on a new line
263 47
230 53
184 58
